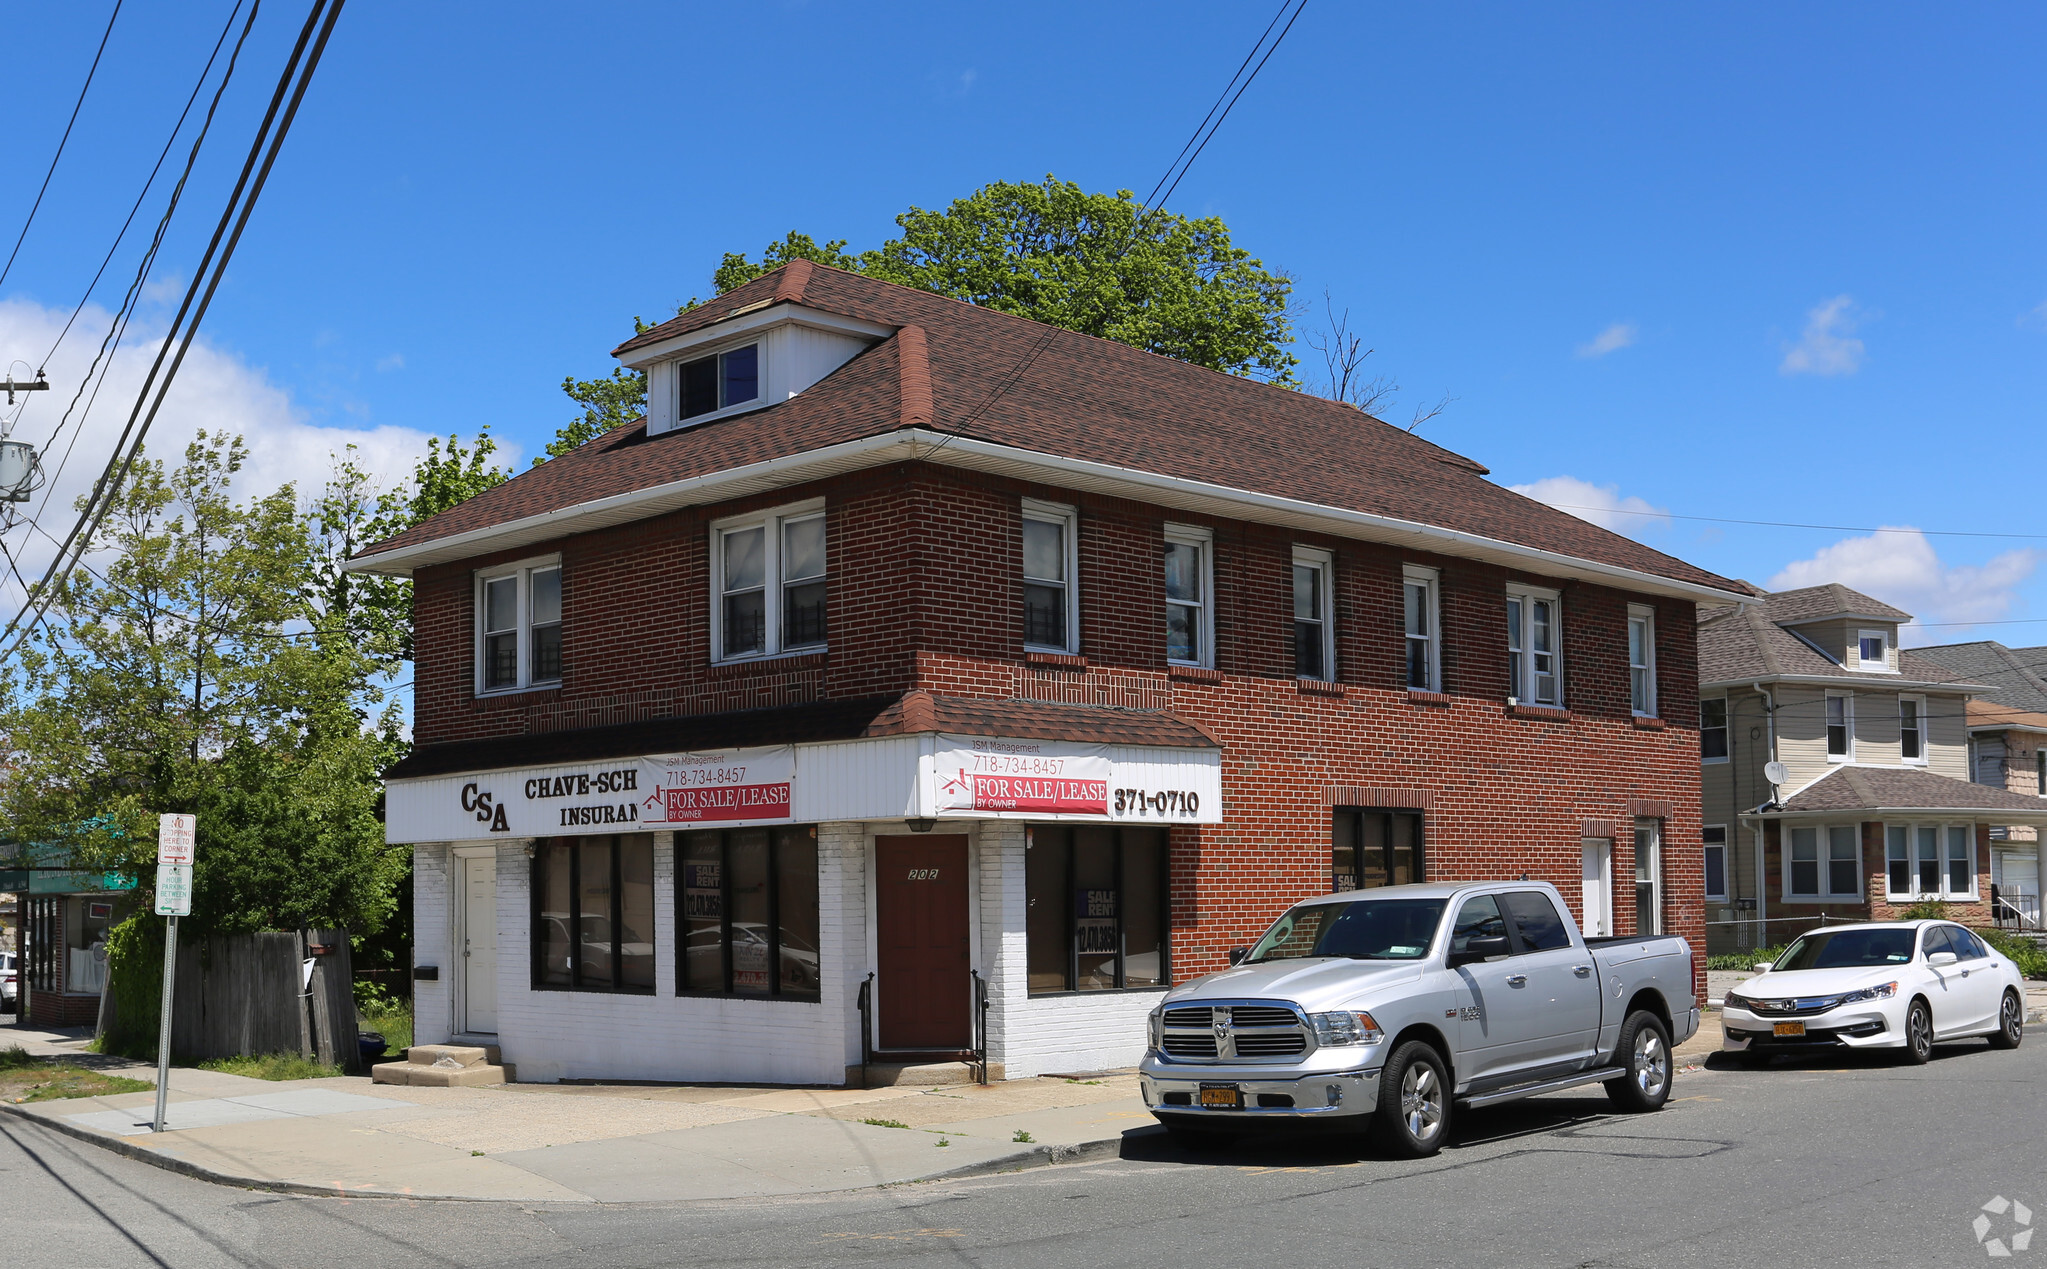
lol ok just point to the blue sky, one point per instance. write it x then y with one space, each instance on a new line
1752 262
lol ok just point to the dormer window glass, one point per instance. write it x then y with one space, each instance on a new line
709 384
1871 646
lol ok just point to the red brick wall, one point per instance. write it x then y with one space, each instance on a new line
926 591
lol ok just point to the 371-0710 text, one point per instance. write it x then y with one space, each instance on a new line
1162 802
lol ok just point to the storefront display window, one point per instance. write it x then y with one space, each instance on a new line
1371 848
747 905
1097 908
593 927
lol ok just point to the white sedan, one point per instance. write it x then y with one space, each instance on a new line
1889 985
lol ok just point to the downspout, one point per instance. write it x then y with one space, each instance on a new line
1762 879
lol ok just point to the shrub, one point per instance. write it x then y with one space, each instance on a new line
1743 960
2030 957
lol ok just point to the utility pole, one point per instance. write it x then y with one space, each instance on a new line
40 385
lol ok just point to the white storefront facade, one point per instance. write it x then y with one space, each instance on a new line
717 915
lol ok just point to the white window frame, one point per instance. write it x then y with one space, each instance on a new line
1431 582
760 370
1823 837
1919 719
1706 838
1068 518
772 584
1203 540
1847 700
523 570
1943 829
1520 648
1883 664
1652 830
1324 563
1726 726
1645 616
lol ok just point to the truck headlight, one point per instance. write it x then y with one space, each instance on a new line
1883 991
1153 1025
1345 1027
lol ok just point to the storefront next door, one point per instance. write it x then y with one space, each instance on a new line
922 938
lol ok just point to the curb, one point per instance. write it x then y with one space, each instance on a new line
200 1172
1036 1157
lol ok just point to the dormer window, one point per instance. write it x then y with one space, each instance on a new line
1872 646
710 384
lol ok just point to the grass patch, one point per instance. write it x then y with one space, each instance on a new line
24 1077
393 1021
272 1066
885 1123
1023 1136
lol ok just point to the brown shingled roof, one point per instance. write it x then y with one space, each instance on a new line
867 717
1849 788
1817 603
1007 381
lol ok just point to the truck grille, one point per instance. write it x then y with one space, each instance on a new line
1225 1032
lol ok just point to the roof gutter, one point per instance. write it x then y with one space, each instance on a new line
1885 684
923 444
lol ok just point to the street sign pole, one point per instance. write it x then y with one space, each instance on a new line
175 840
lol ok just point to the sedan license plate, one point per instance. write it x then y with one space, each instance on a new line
1222 1097
1788 1028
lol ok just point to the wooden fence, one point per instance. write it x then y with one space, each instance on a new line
248 995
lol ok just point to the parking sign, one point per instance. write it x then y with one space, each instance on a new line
174 890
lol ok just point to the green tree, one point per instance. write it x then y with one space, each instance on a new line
736 270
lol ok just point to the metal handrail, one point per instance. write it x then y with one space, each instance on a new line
980 1025
866 1004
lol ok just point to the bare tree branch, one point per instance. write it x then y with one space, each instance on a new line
1343 359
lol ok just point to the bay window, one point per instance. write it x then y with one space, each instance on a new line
768 577
1050 562
519 626
1823 863
746 905
1930 861
1096 908
1534 676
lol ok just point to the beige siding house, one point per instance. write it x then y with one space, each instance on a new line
1836 771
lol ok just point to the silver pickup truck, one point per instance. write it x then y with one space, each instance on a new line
1393 1006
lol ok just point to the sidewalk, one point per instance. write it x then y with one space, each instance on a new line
585 1143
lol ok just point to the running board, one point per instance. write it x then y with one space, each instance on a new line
1599 1076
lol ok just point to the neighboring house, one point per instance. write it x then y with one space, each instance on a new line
1875 811
60 939
2008 750
909 649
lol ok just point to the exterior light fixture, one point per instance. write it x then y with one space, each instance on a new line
922 824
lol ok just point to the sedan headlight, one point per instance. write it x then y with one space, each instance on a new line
1734 1000
1882 992
1345 1027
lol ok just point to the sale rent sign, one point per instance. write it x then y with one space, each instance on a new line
1045 777
682 790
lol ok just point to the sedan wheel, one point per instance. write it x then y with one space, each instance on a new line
1918 1034
2011 1023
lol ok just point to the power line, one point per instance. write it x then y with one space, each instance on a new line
321 16
1151 199
61 142
1204 140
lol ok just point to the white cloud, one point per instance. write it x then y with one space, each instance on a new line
1603 505
1614 338
214 390
1901 568
396 361
1828 346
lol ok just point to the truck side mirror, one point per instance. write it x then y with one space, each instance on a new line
1237 955
1485 948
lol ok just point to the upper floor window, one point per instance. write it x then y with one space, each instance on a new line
709 384
1713 729
1534 675
768 574
1642 659
519 626
1314 631
1912 728
1424 647
1190 616
1840 728
1870 645
1051 607
2040 772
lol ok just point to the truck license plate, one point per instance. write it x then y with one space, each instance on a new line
1788 1028
1222 1096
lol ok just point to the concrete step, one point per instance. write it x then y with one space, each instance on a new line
445 1066
456 1054
925 1074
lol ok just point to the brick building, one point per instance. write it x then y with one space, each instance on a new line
909 649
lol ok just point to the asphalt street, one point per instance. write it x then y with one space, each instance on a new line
1847 1161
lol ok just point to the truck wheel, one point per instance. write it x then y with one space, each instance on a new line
1414 1100
2011 1022
1918 1050
1645 1052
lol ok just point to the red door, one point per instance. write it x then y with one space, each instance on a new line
921 909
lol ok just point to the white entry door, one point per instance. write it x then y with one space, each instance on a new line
480 944
2020 887
1598 887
